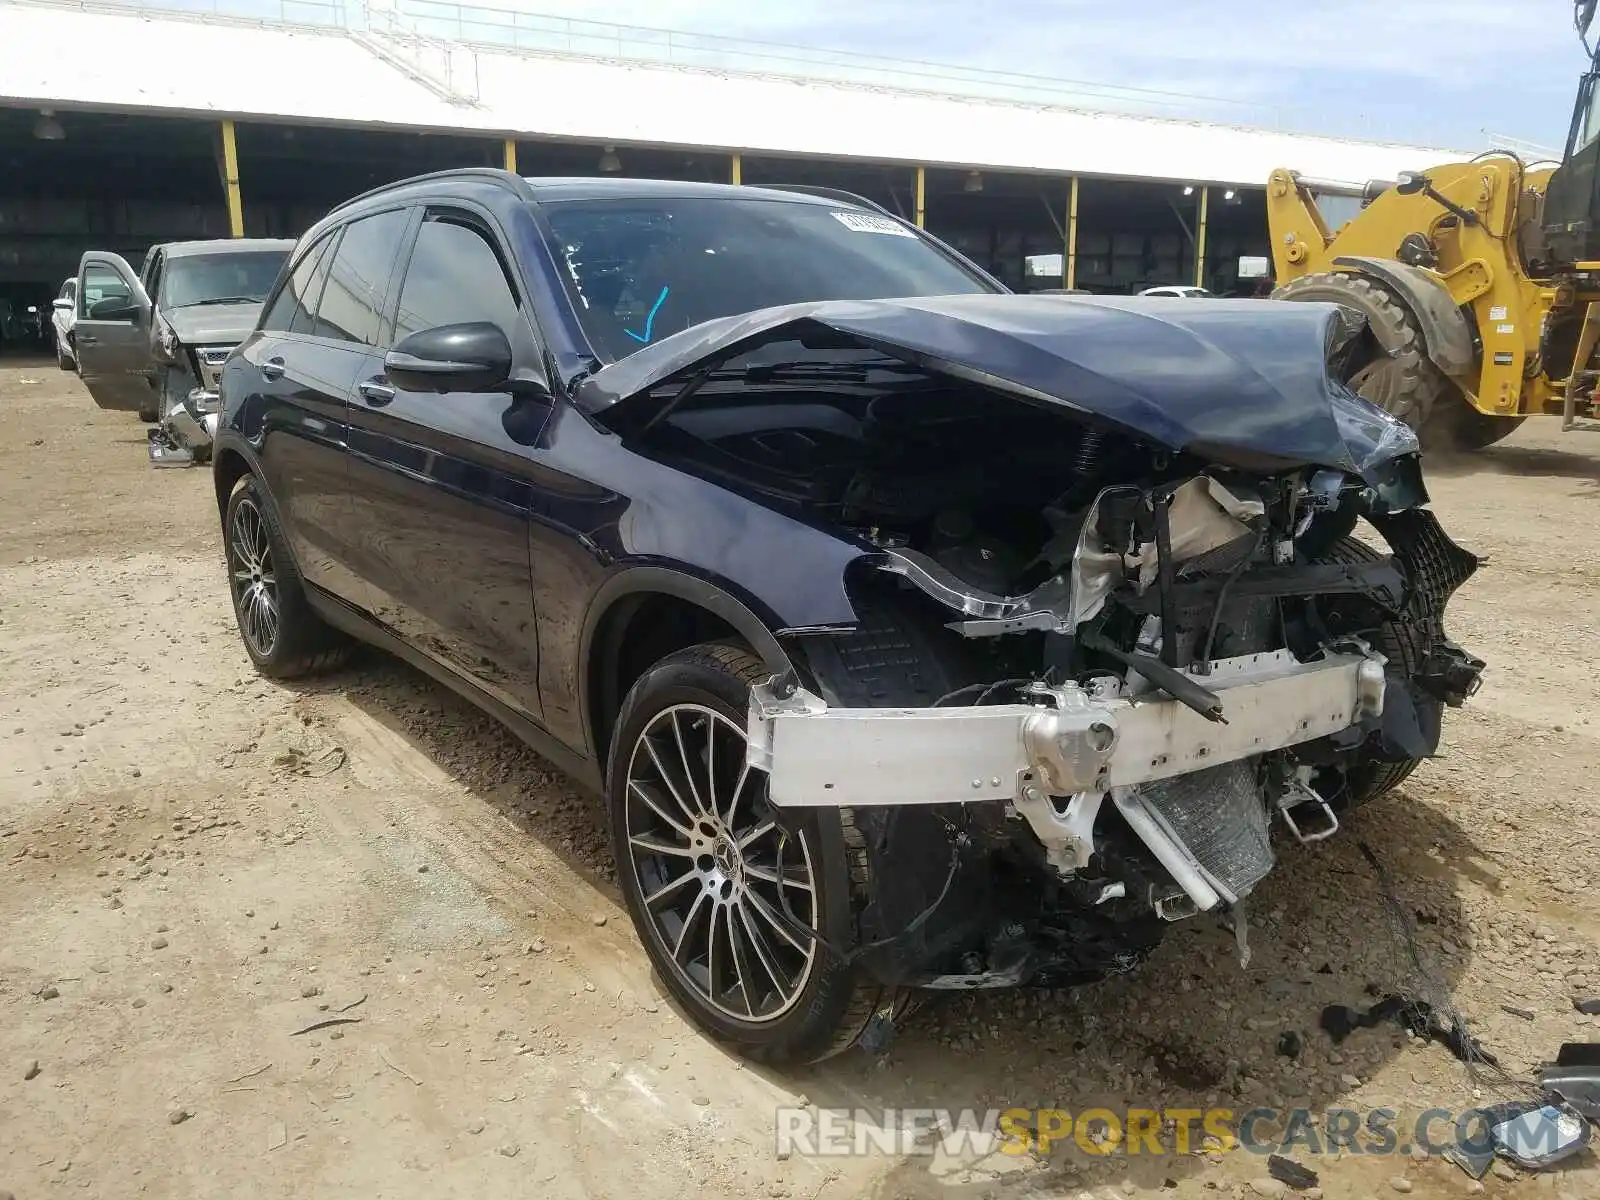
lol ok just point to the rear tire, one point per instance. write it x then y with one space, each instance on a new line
700 877
282 635
1400 379
1399 643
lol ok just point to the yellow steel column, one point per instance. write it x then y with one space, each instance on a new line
922 198
736 174
230 180
511 155
1200 239
1070 278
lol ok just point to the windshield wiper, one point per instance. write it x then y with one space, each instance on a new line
805 372
222 300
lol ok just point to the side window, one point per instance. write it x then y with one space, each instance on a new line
100 283
455 276
291 300
352 302
305 316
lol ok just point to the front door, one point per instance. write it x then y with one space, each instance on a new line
112 333
440 488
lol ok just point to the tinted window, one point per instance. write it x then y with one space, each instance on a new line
305 316
352 302
297 290
455 276
640 269
240 277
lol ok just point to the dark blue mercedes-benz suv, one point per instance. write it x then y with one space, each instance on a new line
918 635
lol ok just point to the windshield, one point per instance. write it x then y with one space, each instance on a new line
240 277
641 269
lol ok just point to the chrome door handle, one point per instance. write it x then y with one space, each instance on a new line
272 369
374 392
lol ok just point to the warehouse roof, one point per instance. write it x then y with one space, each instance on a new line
57 56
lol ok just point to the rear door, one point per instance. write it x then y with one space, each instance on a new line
112 332
301 367
440 488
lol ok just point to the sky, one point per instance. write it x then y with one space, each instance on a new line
1458 74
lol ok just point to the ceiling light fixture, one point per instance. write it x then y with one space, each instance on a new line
47 128
1188 189
973 182
609 162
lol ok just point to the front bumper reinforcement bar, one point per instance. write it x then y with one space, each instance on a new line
1068 740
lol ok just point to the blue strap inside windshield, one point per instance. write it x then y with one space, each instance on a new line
650 320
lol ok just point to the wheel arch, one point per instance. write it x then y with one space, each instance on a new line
231 460
641 615
1448 337
228 467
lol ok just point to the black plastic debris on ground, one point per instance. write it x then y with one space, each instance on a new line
879 1033
1474 1161
1290 1044
1289 1172
1589 1008
1574 1078
1418 1017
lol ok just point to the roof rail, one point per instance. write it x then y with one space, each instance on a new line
828 193
487 174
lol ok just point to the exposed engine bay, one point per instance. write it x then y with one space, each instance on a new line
1097 674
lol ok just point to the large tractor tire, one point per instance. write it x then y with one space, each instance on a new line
1456 425
1397 376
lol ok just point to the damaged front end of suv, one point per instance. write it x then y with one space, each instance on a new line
1114 620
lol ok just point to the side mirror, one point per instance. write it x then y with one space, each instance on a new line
61 304
1412 183
115 308
472 357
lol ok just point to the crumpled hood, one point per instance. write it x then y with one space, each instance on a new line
212 324
1243 383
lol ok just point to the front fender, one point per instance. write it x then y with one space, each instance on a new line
645 579
1447 334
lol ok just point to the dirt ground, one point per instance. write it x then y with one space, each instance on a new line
197 867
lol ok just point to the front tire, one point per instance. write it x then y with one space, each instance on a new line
736 910
1399 643
64 360
281 633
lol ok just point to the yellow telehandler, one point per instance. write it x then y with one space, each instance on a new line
1479 281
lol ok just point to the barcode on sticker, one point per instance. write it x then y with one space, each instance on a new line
867 223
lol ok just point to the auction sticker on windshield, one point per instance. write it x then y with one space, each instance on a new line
867 223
